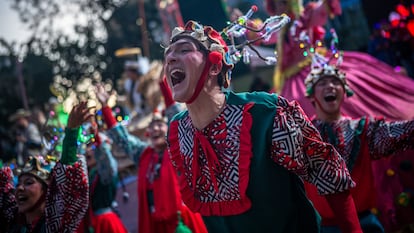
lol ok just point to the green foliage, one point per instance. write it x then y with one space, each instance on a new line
10 99
39 69
100 28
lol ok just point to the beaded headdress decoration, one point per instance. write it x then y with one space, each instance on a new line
38 166
321 65
232 52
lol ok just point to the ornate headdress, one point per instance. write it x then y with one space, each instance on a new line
211 40
229 54
321 66
38 167
41 165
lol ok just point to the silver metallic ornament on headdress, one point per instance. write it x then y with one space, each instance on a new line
236 31
239 28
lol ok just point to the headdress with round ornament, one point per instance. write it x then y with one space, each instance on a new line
229 53
211 41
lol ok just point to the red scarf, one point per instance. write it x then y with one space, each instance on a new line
165 190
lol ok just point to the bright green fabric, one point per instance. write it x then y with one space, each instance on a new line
70 146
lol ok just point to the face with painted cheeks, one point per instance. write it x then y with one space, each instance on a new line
328 97
184 63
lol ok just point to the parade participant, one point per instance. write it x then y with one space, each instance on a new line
242 157
373 79
380 91
358 140
103 178
46 199
159 199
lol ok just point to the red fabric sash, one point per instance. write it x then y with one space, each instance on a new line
212 161
185 166
166 195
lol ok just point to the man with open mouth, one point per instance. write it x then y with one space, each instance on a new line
242 158
359 141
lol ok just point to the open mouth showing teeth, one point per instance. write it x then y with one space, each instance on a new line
177 76
330 98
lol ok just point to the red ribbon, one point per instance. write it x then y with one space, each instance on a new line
211 156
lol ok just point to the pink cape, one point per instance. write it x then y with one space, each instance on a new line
379 90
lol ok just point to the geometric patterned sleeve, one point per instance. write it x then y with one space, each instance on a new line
386 138
132 145
68 192
298 146
8 203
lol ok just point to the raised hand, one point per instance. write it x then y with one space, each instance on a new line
102 95
79 114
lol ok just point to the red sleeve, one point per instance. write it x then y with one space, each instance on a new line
166 92
343 206
108 117
98 140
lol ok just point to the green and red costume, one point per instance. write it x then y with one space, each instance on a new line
244 171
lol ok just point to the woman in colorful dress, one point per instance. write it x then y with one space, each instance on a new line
48 198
